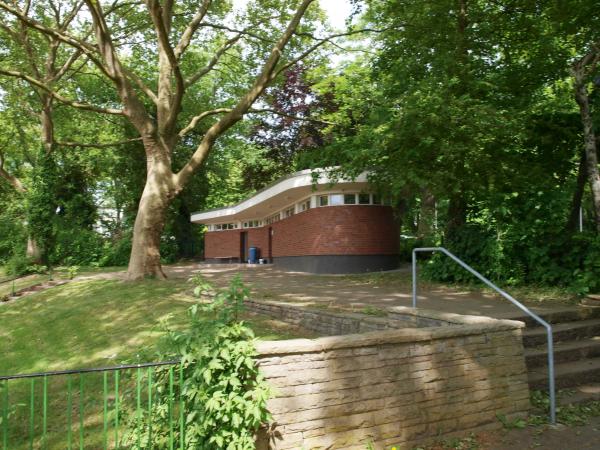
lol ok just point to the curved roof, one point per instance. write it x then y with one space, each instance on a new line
280 194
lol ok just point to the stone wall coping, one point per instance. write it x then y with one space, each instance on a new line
476 325
463 319
337 314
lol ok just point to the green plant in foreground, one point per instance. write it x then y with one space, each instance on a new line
518 422
374 311
72 271
224 395
570 415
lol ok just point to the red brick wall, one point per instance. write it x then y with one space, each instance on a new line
222 244
334 230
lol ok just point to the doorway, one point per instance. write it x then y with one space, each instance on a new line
243 246
270 254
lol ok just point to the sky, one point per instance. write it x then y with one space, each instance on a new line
337 10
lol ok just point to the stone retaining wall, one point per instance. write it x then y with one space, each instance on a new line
397 387
329 323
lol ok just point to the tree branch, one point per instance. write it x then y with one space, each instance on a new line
237 113
106 145
156 13
66 66
188 33
245 32
317 45
134 108
195 120
14 181
213 61
57 96
89 50
289 116
140 83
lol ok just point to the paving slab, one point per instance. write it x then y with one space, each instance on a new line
357 292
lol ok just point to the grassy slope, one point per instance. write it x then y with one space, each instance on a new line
91 323
88 324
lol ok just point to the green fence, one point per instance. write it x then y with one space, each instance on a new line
102 408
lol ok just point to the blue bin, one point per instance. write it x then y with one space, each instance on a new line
253 254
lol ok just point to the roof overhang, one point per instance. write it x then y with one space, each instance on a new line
280 194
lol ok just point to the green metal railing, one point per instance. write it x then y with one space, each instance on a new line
90 413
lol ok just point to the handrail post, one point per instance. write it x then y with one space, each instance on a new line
414 278
551 384
551 387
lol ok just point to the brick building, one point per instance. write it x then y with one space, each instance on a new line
306 223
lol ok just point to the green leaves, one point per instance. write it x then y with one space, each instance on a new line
224 396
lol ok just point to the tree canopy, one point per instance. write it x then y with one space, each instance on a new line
479 119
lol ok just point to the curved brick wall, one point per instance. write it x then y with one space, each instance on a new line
329 231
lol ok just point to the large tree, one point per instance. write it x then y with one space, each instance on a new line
200 50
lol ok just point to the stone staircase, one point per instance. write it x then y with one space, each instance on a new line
576 352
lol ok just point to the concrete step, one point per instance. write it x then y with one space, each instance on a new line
567 375
568 351
580 394
568 331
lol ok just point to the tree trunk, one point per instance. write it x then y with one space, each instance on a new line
591 155
33 250
457 214
148 228
426 215
571 226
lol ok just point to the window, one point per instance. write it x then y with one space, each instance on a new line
323 200
349 199
274 218
288 212
376 200
337 199
364 199
304 206
252 224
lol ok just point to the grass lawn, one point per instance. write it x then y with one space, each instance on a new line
88 324
8 284
7 287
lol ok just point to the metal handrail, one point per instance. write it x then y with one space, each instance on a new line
551 385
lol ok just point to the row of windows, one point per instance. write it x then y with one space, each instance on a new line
348 199
305 205
223 226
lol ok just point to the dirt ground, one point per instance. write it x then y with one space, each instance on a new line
559 437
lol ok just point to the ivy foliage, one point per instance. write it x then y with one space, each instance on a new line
41 202
218 390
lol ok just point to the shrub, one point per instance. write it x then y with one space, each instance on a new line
116 253
19 265
76 247
223 394
516 258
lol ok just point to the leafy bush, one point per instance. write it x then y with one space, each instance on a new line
76 246
223 394
19 265
169 250
116 253
518 257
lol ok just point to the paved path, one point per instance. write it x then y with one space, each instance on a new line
355 292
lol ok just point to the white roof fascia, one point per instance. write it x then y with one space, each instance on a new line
300 179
